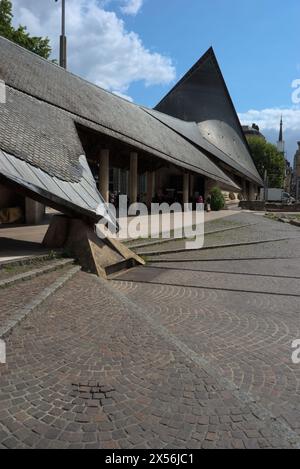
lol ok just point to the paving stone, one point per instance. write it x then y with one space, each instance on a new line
175 358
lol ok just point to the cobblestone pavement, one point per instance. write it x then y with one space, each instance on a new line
261 229
240 312
7 271
144 362
14 297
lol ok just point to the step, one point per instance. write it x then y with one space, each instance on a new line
27 275
15 317
120 267
27 260
295 222
148 254
144 243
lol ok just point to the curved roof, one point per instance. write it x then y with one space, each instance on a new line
52 100
77 197
202 97
192 132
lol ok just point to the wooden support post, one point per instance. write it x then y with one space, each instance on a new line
133 177
150 187
104 174
186 188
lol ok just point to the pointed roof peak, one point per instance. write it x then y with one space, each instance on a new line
209 54
202 96
281 130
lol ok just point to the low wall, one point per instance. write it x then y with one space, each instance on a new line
260 206
255 205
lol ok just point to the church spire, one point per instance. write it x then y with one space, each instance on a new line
281 131
280 143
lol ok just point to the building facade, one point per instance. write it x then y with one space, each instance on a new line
296 174
56 129
252 131
288 176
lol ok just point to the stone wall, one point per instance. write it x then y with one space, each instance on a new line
261 206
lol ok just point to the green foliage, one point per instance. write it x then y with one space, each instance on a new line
38 45
266 156
5 12
217 199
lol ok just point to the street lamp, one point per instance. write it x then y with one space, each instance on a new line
63 38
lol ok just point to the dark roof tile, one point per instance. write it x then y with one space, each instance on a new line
58 98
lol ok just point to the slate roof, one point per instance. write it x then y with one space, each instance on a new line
78 197
45 101
41 134
193 133
202 97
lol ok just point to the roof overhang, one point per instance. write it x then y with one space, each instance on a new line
81 198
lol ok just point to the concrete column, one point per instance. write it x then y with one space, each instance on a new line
244 189
252 191
133 177
104 174
192 185
157 181
150 187
34 212
116 179
185 197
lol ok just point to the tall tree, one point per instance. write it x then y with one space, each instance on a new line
38 45
267 157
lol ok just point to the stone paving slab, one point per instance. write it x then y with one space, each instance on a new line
158 365
277 267
88 370
244 336
14 298
287 249
14 319
140 243
267 231
178 247
32 271
276 285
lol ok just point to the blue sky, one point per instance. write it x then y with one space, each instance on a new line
257 44
140 48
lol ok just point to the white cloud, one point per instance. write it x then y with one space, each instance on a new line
99 47
270 118
132 7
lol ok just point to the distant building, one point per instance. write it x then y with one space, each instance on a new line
252 131
288 180
296 176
